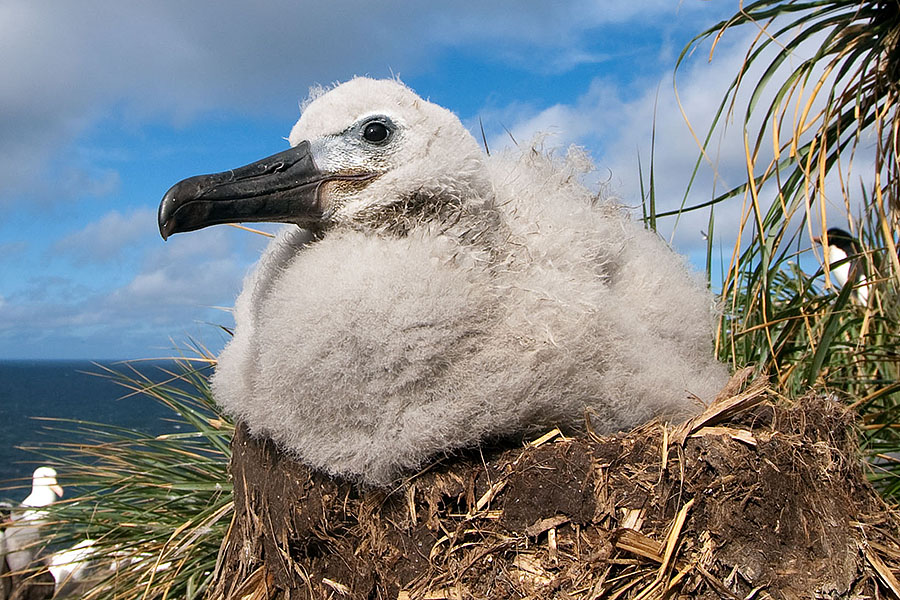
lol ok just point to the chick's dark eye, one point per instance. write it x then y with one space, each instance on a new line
376 132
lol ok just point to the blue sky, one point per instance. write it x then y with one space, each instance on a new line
106 104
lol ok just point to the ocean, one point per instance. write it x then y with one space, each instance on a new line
67 390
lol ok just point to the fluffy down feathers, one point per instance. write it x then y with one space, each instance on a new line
516 303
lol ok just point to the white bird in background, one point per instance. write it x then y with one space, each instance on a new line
23 534
44 488
429 298
5 521
72 568
846 263
77 569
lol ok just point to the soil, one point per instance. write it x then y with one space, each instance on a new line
752 499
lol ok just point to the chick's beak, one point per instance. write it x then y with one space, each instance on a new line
57 489
283 188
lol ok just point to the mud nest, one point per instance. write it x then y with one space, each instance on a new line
752 499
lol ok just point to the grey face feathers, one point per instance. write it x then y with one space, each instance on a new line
436 298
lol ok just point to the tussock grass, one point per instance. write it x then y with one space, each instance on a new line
157 507
817 88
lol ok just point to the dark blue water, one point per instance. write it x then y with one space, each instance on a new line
66 390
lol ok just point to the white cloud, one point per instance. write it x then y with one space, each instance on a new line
75 66
103 240
160 292
178 287
616 128
199 270
69 63
91 324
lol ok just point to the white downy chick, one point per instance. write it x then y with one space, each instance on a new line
429 298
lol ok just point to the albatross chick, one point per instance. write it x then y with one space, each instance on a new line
428 297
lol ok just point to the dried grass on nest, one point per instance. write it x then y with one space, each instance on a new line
751 499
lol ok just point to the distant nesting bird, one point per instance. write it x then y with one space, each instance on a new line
5 521
77 569
23 535
6 584
73 568
429 297
846 262
44 488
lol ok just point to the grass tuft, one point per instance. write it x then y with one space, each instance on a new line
817 85
157 507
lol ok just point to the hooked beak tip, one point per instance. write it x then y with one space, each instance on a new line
165 213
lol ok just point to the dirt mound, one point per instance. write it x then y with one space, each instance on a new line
752 499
